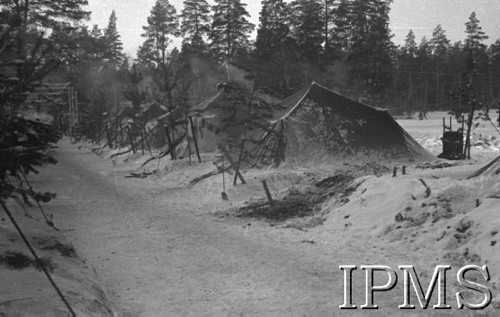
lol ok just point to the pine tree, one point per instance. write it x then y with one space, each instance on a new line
41 14
440 47
494 54
475 34
96 42
47 14
273 29
474 43
230 28
162 27
329 7
27 57
410 48
439 43
195 23
146 54
370 48
341 33
114 46
308 27
273 45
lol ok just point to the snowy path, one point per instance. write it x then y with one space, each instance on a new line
157 258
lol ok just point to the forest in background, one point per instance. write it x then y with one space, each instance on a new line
343 44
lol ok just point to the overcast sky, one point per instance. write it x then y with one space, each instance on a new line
420 15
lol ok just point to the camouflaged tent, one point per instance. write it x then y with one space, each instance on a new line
231 114
318 125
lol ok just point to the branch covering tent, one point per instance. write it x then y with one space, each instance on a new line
228 116
317 125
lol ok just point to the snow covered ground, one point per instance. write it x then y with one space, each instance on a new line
485 137
322 217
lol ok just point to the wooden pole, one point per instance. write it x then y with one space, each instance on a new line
130 138
146 139
77 117
169 140
193 132
469 123
240 158
70 106
37 259
268 193
110 143
230 159
395 171
427 188
223 194
188 141
141 133
498 115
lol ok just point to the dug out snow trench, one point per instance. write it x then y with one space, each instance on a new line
158 258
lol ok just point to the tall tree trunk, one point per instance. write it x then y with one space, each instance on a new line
326 26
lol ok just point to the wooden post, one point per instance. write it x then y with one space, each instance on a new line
444 125
394 171
223 194
241 156
427 188
70 103
281 145
188 141
142 140
169 140
122 138
230 159
243 139
116 132
110 143
470 121
130 138
498 115
195 141
146 139
268 193
404 170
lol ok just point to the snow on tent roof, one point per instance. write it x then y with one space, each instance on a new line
318 125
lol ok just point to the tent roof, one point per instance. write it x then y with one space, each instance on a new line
225 91
352 128
290 104
202 106
490 169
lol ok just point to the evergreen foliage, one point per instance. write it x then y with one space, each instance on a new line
195 24
114 47
230 29
162 26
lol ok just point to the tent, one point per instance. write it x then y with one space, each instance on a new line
490 169
318 125
224 118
